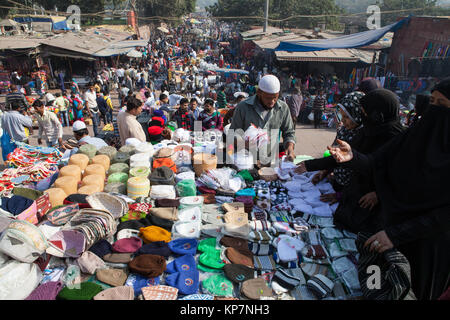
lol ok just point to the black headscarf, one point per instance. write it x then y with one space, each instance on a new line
369 84
382 121
443 87
422 103
414 177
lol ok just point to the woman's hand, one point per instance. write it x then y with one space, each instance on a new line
301 168
331 198
379 242
342 153
319 176
368 201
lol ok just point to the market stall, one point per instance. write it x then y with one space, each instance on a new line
189 218
174 200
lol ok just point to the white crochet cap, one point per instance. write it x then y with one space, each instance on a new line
78 125
269 84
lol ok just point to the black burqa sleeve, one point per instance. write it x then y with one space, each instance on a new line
408 173
327 163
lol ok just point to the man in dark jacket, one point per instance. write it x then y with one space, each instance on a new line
102 106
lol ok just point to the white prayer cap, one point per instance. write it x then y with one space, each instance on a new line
78 125
269 84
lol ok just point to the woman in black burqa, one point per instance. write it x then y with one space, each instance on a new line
369 84
358 202
420 107
411 175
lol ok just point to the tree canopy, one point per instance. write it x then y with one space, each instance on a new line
165 8
280 10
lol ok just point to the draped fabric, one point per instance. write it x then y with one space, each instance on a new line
354 40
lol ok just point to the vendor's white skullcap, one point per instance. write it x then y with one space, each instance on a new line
78 125
269 84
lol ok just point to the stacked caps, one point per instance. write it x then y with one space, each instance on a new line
138 184
68 179
93 179
138 187
118 171
89 150
91 173
142 156
140 160
108 151
56 196
203 162
140 172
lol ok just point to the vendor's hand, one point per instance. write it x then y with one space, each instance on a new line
342 153
60 141
368 201
319 176
67 146
301 168
379 242
331 198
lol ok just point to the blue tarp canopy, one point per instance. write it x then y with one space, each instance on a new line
350 41
58 23
61 25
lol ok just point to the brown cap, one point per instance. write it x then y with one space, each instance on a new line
234 242
240 256
148 265
255 289
113 277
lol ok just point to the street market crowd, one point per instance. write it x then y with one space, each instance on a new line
190 189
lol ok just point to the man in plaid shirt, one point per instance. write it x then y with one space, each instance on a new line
184 116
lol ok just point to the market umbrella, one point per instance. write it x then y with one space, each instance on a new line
162 29
196 31
134 54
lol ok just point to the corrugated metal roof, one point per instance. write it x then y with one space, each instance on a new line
8 23
332 55
260 31
129 44
270 42
12 43
109 52
79 42
97 42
